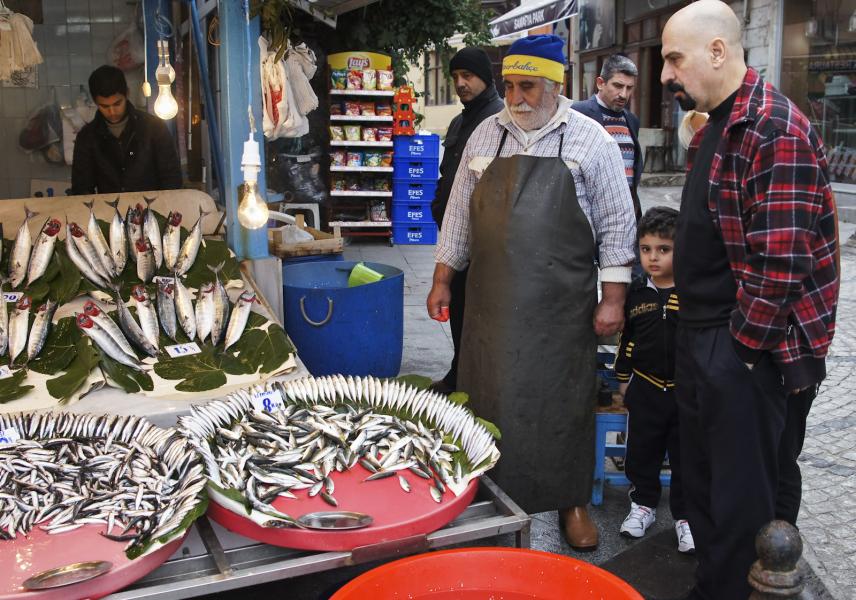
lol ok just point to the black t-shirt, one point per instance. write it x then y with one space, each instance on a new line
703 275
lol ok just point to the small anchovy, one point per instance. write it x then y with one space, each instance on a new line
184 307
96 238
405 485
172 239
20 258
118 238
152 231
166 308
190 247
239 318
19 321
221 307
43 250
79 261
41 327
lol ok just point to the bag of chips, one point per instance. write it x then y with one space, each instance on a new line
352 108
337 184
338 158
355 80
381 184
385 80
367 109
339 79
386 159
369 134
369 79
355 159
352 133
336 108
373 159
337 134
383 109
384 134
352 183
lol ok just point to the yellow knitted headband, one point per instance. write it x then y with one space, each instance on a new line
533 66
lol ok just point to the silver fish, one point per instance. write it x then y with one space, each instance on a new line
222 307
43 250
146 313
145 260
184 308
166 308
118 238
92 310
20 257
96 238
4 320
133 227
172 239
105 342
88 251
41 327
190 247
79 261
204 311
19 322
2 241
239 318
151 230
130 328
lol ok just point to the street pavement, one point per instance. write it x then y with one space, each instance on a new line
827 519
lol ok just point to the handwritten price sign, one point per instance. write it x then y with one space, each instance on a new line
11 296
9 436
183 350
268 401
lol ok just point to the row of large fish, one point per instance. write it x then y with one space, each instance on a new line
137 236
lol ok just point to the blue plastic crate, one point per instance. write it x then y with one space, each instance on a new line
416 146
411 212
414 233
408 190
416 169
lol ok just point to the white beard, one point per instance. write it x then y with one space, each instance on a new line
530 119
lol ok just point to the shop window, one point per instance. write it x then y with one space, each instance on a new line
819 75
439 89
587 84
634 32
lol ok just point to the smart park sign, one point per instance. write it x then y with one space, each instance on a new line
531 16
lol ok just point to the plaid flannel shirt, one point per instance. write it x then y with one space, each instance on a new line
771 200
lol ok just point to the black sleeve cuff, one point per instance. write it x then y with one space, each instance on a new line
746 354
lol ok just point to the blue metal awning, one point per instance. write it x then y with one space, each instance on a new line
530 16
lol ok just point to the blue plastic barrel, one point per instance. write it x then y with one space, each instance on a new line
337 329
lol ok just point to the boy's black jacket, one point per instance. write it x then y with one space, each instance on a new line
647 344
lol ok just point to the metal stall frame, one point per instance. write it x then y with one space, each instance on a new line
221 569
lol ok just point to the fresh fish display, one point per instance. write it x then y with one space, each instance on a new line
4 321
145 260
130 328
133 480
96 238
43 250
147 314
19 260
172 239
190 247
333 424
79 261
151 231
105 342
88 251
166 308
19 323
41 327
239 318
184 308
118 238
92 310
222 308
204 312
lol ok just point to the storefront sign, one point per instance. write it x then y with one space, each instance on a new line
268 401
183 350
531 16
358 61
833 64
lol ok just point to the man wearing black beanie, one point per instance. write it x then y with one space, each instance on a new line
472 74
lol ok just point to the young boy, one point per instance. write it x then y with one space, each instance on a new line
645 368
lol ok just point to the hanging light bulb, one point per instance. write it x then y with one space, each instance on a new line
165 106
851 25
811 27
252 209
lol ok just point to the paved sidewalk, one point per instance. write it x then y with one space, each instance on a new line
828 516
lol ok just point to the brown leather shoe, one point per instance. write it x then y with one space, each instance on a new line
579 530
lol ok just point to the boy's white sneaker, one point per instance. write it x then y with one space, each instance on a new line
638 520
685 537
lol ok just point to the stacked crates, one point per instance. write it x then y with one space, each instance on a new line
417 167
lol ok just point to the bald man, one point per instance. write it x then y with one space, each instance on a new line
755 267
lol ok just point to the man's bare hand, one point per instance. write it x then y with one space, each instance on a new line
441 293
609 314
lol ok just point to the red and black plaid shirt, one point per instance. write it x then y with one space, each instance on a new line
771 200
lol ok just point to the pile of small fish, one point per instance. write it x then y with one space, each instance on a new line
331 424
67 471
212 318
16 334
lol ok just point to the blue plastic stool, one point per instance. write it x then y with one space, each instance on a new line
606 422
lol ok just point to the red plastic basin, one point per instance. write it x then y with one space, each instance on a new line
482 573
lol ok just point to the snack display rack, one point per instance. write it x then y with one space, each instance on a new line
357 212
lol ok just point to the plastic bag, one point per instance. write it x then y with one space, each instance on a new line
127 51
73 120
44 127
292 234
301 178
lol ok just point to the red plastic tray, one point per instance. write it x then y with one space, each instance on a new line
24 557
396 513
479 573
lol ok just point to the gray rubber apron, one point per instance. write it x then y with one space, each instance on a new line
528 348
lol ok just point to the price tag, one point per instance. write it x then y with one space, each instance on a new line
9 436
12 296
5 372
162 278
268 401
183 350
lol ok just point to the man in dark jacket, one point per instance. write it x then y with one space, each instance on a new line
473 78
609 108
123 149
